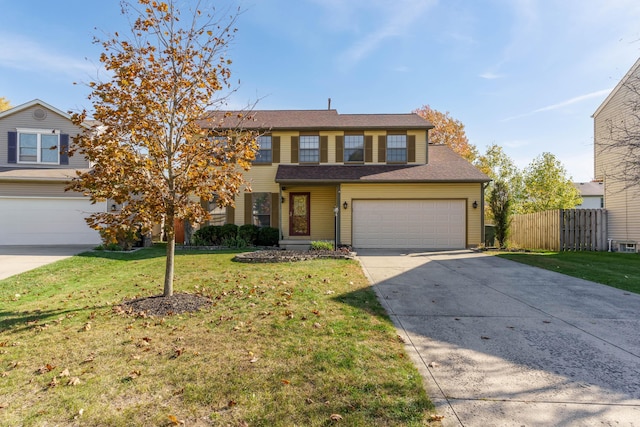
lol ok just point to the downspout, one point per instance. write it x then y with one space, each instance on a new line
338 221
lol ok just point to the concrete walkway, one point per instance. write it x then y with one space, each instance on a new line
503 344
18 259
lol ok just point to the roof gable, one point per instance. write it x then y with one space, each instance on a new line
616 89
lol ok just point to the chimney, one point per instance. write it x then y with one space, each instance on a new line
329 104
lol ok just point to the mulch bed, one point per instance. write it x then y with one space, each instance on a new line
160 306
276 255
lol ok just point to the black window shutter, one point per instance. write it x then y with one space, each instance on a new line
368 148
294 149
339 148
382 148
12 156
275 149
248 208
411 148
324 149
275 210
64 149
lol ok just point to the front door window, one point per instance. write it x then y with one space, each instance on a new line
299 217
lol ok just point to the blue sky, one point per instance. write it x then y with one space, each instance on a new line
525 74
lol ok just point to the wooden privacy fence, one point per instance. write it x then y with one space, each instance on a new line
561 230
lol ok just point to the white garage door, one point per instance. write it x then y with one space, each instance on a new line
47 221
425 224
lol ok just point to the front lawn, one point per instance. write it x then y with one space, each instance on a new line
615 269
295 344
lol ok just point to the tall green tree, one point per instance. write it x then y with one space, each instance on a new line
547 186
496 164
448 131
499 202
4 103
151 153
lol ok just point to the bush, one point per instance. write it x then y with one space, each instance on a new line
249 233
209 235
235 242
268 236
120 237
228 231
321 245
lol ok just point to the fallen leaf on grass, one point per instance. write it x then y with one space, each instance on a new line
254 360
73 381
335 417
435 417
317 325
64 373
174 420
53 383
400 338
285 382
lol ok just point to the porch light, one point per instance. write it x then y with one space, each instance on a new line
475 204
345 205
113 208
282 199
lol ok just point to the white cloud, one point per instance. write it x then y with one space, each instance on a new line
597 94
396 17
491 76
24 54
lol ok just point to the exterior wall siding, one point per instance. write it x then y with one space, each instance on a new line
623 205
24 119
467 191
35 189
323 200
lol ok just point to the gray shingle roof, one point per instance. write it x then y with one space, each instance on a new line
444 166
312 119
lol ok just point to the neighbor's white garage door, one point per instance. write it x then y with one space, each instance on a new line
47 221
427 224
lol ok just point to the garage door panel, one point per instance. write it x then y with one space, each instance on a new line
428 224
47 221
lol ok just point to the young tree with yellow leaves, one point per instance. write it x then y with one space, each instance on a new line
153 150
448 131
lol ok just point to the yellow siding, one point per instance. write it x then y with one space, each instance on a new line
470 192
623 205
323 200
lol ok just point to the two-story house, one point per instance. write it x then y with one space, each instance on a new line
366 180
615 120
34 170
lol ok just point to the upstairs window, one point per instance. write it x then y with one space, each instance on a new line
38 146
218 213
354 148
397 148
309 149
265 153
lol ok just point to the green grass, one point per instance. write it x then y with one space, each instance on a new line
283 345
615 269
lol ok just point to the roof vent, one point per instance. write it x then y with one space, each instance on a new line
39 114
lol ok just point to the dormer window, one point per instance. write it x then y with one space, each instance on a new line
38 146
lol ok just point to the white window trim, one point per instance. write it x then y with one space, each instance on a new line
38 132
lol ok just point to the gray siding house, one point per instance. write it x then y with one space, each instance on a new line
34 170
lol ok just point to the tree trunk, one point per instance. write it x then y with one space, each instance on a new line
171 248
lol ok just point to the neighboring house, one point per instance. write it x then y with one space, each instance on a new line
366 180
621 197
34 170
592 194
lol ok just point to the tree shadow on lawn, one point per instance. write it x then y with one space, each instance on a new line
34 318
156 251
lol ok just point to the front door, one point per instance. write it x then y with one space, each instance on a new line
299 214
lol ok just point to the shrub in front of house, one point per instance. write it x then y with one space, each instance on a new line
321 245
249 233
208 235
268 236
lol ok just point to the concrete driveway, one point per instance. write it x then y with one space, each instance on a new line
18 259
503 344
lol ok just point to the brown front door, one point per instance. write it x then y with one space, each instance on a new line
299 214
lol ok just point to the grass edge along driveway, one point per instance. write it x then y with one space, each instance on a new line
619 270
302 343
